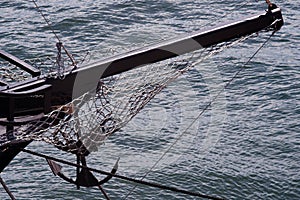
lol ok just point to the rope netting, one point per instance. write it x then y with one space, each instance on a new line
83 124
11 73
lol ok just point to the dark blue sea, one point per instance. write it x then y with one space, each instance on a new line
246 145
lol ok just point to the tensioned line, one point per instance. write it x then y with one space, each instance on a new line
202 112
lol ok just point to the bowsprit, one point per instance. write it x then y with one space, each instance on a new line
78 106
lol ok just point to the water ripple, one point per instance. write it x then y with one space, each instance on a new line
246 147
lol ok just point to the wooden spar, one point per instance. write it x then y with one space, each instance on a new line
38 95
184 44
85 78
178 46
20 63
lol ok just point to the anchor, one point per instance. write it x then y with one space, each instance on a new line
84 178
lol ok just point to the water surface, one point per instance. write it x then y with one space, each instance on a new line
246 146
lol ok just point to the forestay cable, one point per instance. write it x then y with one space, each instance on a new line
203 111
59 41
151 184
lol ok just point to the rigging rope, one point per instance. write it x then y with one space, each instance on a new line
52 30
151 184
138 108
91 118
6 189
203 111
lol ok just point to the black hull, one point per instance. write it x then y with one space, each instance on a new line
9 152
